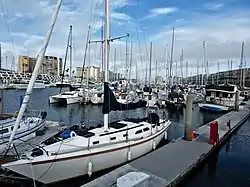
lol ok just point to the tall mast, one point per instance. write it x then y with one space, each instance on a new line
156 71
176 72
187 70
126 59
70 53
198 76
205 61
35 73
150 63
106 53
218 74
130 63
171 60
115 75
181 64
85 54
241 64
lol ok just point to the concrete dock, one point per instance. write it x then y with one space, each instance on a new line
168 165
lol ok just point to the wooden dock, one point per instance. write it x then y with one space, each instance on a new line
168 165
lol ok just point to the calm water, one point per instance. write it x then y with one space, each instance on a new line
230 166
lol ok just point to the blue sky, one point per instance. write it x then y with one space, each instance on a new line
222 24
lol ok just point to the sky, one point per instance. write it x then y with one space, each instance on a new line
222 24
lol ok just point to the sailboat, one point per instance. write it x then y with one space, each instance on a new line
80 151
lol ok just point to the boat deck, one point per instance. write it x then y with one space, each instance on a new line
53 127
168 165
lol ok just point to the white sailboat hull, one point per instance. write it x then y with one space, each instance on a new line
23 134
68 100
75 164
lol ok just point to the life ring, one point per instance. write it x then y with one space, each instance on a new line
72 134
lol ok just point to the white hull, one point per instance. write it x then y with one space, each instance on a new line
67 97
69 165
97 100
26 132
66 100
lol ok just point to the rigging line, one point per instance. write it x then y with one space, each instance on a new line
7 25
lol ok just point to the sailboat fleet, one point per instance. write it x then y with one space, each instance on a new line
115 142
82 150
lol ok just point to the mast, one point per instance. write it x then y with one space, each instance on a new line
130 63
6 61
228 69
126 59
187 70
115 75
150 63
106 53
85 54
205 62
181 63
171 60
241 65
176 73
198 76
218 73
244 74
70 53
156 71
35 73
66 55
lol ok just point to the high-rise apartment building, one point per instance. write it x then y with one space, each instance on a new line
51 65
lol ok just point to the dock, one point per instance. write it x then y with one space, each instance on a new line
168 165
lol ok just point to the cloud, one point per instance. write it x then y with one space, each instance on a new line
160 11
214 6
223 33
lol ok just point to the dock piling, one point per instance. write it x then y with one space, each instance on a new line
188 120
237 95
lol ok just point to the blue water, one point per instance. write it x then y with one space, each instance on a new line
229 167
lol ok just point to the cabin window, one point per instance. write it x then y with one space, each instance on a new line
95 142
146 129
217 94
224 95
138 132
112 138
125 135
208 93
153 126
2 131
13 127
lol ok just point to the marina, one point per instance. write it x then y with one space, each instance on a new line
110 101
